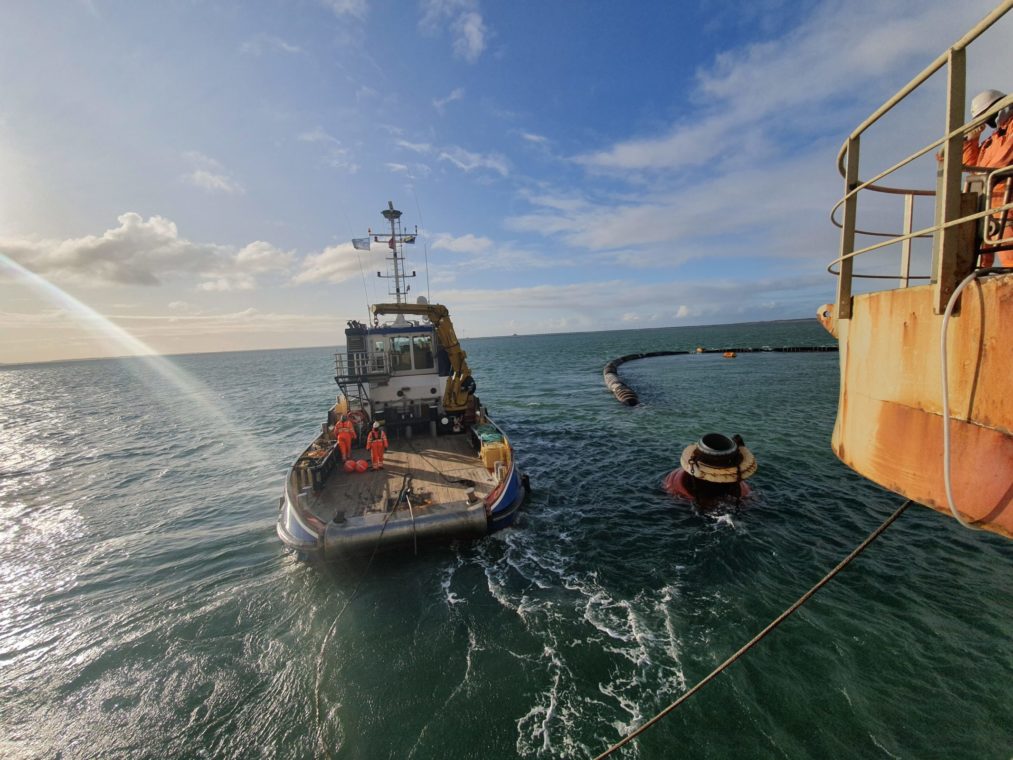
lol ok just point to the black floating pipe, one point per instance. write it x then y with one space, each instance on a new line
628 396
621 390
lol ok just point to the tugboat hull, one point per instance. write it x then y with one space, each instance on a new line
431 490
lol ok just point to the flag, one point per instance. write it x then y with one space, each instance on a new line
391 244
360 244
408 239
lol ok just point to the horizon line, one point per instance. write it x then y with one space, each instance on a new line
476 337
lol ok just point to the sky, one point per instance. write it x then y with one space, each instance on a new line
191 173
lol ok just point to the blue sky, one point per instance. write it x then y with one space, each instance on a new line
194 171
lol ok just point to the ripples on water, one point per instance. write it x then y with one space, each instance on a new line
148 609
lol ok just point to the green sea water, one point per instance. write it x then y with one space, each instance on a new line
149 610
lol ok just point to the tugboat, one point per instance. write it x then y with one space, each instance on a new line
449 471
924 407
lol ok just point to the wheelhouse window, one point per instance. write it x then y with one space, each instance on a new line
422 350
400 353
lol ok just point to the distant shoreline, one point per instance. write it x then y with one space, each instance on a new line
43 362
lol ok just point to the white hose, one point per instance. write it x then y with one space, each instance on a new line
946 399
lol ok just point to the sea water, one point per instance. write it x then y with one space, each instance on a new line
149 610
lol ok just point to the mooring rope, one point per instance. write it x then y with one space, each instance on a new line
761 635
334 625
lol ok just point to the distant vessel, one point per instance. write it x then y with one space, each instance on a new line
449 472
925 406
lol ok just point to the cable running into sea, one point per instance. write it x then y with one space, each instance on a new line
944 374
334 625
761 635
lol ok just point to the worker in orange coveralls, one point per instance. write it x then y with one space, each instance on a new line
376 442
995 152
344 432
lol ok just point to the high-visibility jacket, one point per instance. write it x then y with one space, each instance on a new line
376 436
345 427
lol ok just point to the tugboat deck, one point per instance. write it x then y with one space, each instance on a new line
442 468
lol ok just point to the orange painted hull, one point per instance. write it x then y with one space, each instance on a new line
889 419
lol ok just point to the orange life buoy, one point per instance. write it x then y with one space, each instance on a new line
358 416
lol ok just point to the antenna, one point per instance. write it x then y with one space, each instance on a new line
398 238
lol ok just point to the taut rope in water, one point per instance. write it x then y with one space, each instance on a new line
334 625
758 637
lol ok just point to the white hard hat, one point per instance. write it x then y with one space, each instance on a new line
376 426
983 101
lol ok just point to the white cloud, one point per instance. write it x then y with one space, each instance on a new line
145 326
749 173
461 244
466 25
319 135
838 53
440 103
470 32
340 8
469 161
224 284
537 139
215 182
334 264
264 43
365 92
397 168
209 174
146 252
686 145
241 270
416 147
335 155
600 305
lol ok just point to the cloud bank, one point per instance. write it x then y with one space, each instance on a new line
146 252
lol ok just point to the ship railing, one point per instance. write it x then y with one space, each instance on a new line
994 233
361 365
957 213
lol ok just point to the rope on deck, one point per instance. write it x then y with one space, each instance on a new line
628 396
762 634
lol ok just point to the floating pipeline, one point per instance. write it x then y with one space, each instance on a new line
620 390
628 396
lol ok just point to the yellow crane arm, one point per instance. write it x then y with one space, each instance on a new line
455 398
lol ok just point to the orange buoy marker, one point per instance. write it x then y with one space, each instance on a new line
349 465
729 354
361 465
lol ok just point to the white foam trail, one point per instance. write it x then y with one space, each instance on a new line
888 752
449 596
540 716
725 519
616 690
